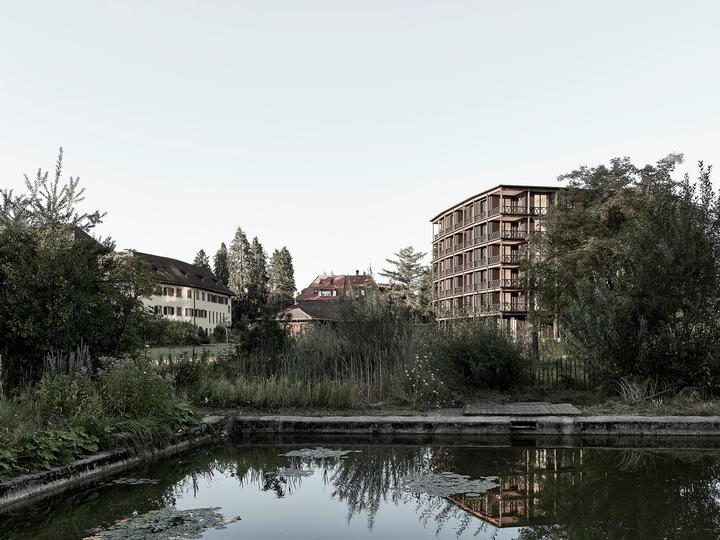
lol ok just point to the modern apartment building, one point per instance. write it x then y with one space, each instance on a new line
479 246
186 292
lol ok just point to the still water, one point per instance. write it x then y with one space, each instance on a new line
399 491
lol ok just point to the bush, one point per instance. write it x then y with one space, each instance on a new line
134 389
164 332
66 400
477 353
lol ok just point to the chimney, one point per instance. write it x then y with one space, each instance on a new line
357 272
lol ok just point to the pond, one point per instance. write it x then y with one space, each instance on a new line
392 491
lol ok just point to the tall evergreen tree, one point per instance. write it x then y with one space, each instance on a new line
238 259
202 260
414 279
407 270
257 275
281 276
220 264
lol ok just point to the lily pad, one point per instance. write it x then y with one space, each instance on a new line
164 524
448 483
295 473
131 481
318 453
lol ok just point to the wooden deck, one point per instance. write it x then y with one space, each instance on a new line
527 408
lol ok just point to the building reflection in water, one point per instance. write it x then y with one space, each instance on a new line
516 502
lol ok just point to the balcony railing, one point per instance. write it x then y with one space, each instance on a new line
494 260
483 285
514 234
493 236
494 211
513 307
515 258
513 283
478 263
515 210
538 210
479 240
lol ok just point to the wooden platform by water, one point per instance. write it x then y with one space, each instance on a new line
525 408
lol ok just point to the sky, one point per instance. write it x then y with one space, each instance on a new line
337 128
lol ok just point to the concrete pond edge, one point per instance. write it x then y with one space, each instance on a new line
601 431
31 487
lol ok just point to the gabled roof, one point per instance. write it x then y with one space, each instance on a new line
341 284
313 310
175 272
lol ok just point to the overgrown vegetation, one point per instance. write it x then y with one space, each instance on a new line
64 417
629 264
376 354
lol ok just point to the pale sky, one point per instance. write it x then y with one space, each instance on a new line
340 128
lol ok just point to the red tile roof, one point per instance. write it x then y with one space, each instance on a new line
336 285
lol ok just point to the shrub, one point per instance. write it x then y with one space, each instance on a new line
164 332
134 389
66 400
477 353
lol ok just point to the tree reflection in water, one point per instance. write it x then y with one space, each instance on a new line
545 493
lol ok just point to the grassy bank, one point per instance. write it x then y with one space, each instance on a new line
128 404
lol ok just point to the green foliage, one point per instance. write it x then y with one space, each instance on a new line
220 264
45 449
631 267
414 281
238 262
66 400
165 332
134 389
59 286
281 279
477 354
202 260
219 334
278 392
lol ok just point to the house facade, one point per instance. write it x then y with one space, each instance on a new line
319 303
187 293
478 250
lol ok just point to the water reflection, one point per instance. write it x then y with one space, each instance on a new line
542 493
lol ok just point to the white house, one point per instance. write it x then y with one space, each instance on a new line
188 293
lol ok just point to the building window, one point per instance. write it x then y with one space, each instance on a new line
202 295
189 293
326 293
178 293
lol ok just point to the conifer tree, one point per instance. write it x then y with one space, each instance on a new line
220 264
408 270
238 258
202 260
281 279
254 300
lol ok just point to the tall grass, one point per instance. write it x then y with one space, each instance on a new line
374 354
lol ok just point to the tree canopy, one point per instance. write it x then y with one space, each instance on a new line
629 263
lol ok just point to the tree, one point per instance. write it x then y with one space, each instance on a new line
281 276
257 277
630 265
61 287
408 270
202 260
220 264
413 278
238 262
